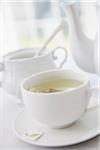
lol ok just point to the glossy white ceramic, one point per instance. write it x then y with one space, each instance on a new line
59 109
85 51
84 129
21 63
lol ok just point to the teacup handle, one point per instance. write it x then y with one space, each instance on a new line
1 70
90 93
55 57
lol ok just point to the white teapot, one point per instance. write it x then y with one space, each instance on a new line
86 52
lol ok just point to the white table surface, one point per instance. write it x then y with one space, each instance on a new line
8 111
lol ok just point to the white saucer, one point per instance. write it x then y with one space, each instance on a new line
84 129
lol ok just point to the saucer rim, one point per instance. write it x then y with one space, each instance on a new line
89 136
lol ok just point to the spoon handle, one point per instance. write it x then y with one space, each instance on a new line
58 28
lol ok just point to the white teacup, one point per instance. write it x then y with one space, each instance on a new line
21 63
58 109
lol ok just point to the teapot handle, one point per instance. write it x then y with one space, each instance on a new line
1 69
55 57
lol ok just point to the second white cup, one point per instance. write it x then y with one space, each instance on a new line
22 63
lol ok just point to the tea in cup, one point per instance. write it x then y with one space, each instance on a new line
56 98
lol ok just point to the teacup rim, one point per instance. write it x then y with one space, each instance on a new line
8 55
53 93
